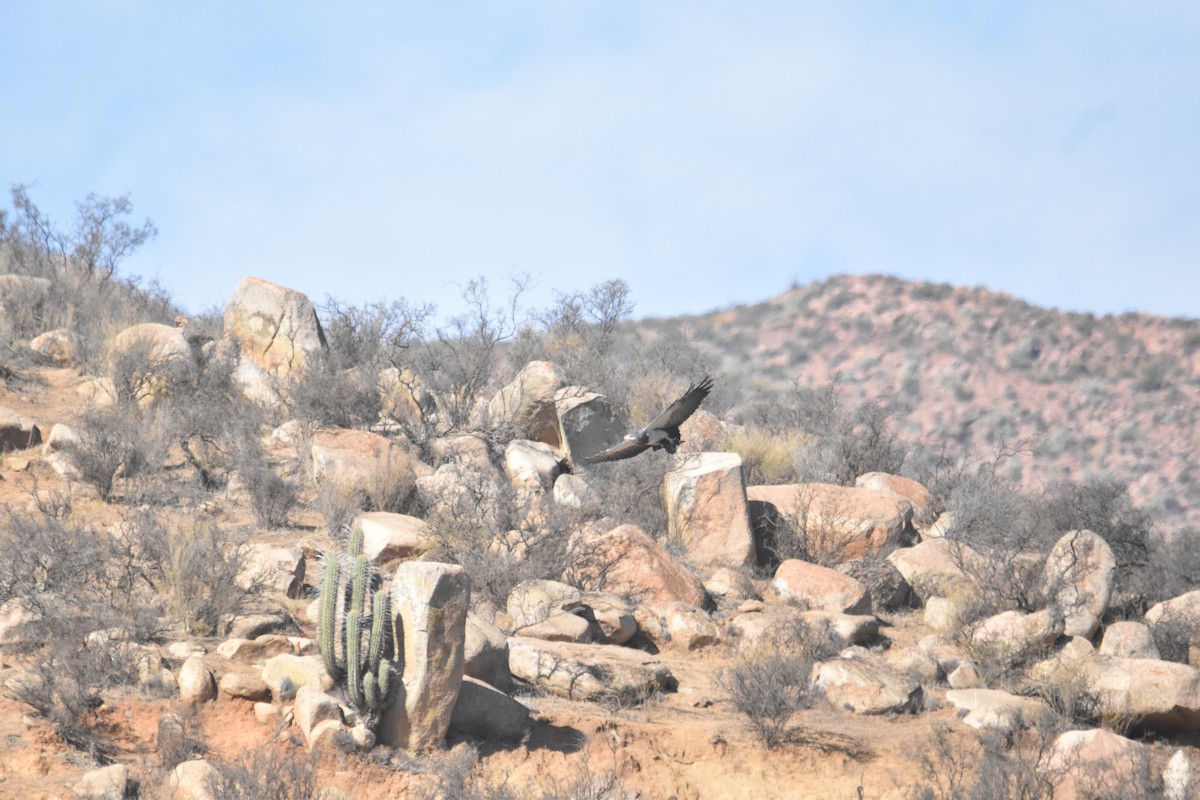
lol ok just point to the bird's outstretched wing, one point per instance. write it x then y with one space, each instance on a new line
628 448
684 407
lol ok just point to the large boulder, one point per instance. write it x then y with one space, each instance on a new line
587 671
193 780
58 346
1078 579
627 561
527 404
1128 639
938 567
196 683
812 586
534 601
429 608
705 501
17 432
996 710
483 713
922 501
1096 763
1158 695
485 652
363 459
392 537
276 328
530 465
105 783
286 673
833 523
586 422
1013 635
273 566
861 683
166 358
1175 624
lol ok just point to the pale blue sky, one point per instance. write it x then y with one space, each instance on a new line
707 153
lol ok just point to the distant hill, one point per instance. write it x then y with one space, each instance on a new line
970 369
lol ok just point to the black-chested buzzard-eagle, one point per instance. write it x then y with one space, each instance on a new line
663 430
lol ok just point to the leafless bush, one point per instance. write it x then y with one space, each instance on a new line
116 440
339 501
73 582
192 566
81 260
768 691
964 766
272 496
333 397
498 536
631 491
267 773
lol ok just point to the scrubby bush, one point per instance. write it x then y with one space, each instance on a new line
266 773
118 440
768 690
87 606
272 496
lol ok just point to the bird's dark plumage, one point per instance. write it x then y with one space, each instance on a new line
663 430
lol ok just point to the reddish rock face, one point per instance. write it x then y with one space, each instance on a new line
705 500
836 523
812 586
626 561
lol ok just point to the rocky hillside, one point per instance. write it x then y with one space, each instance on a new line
969 370
232 566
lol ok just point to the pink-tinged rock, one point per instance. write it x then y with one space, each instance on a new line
57 346
912 491
530 465
811 586
1128 639
196 684
1160 695
705 501
527 404
391 537
1096 763
360 457
1014 634
429 608
626 561
938 567
996 710
1078 579
836 523
863 684
690 628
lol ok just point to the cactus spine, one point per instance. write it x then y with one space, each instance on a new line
356 642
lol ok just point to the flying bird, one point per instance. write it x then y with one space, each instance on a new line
662 432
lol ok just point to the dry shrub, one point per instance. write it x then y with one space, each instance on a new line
120 440
339 501
767 458
267 773
768 690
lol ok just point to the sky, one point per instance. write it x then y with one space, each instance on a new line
709 154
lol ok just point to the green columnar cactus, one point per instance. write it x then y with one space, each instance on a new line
356 641
327 628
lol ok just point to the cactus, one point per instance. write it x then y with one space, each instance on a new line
327 629
356 641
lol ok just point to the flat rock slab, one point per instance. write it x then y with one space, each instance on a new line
996 710
587 672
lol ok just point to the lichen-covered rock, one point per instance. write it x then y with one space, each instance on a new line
276 328
587 671
429 609
1078 580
